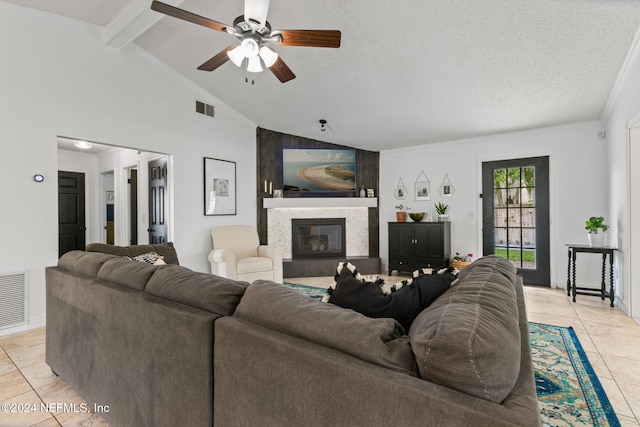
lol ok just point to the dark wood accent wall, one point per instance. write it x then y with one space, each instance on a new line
269 152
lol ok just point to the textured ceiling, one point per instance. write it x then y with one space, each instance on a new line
407 73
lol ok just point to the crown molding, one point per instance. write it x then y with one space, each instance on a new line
624 75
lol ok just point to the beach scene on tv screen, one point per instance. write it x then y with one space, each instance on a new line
319 170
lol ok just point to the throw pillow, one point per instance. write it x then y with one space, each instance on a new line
401 301
149 258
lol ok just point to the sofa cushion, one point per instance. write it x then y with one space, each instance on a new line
81 262
280 308
167 250
469 338
123 272
200 290
402 300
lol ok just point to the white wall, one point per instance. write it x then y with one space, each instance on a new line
579 183
624 105
59 79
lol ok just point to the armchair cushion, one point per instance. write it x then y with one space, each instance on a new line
254 265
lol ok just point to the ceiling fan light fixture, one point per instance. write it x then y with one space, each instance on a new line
236 55
268 55
276 38
250 47
254 65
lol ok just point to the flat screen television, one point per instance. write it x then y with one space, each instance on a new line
319 170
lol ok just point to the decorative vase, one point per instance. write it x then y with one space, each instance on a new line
401 216
596 240
363 192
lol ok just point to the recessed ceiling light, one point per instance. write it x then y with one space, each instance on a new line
84 145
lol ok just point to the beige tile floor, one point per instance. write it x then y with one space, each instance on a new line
610 338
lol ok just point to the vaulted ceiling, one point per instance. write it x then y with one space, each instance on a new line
407 72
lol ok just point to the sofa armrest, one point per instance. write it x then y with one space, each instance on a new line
224 263
275 253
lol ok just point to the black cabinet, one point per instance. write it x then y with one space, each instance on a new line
414 245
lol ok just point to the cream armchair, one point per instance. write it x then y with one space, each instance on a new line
237 254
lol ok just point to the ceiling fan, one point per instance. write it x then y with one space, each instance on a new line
254 33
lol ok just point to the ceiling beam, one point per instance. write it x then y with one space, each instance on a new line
131 22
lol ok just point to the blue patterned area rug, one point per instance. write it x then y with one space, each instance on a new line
569 392
310 291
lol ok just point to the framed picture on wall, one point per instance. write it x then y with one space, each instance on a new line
219 187
423 187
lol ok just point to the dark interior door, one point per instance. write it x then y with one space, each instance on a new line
515 200
158 201
133 203
71 212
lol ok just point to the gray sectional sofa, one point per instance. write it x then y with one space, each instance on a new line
166 346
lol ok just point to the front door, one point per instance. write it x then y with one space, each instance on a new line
515 211
158 201
71 220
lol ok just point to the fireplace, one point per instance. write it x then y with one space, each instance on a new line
318 238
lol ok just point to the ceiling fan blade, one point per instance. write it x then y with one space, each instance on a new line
187 16
217 60
282 71
256 10
311 38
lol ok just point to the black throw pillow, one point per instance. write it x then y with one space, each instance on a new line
402 301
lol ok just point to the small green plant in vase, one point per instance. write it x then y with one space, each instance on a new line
592 225
441 209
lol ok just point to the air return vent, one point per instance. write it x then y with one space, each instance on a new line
203 108
13 300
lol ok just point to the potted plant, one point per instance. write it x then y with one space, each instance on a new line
592 226
441 208
401 215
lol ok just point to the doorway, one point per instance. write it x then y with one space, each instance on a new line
132 182
158 175
634 222
515 211
108 189
71 212
116 190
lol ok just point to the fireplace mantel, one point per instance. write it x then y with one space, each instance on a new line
320 202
